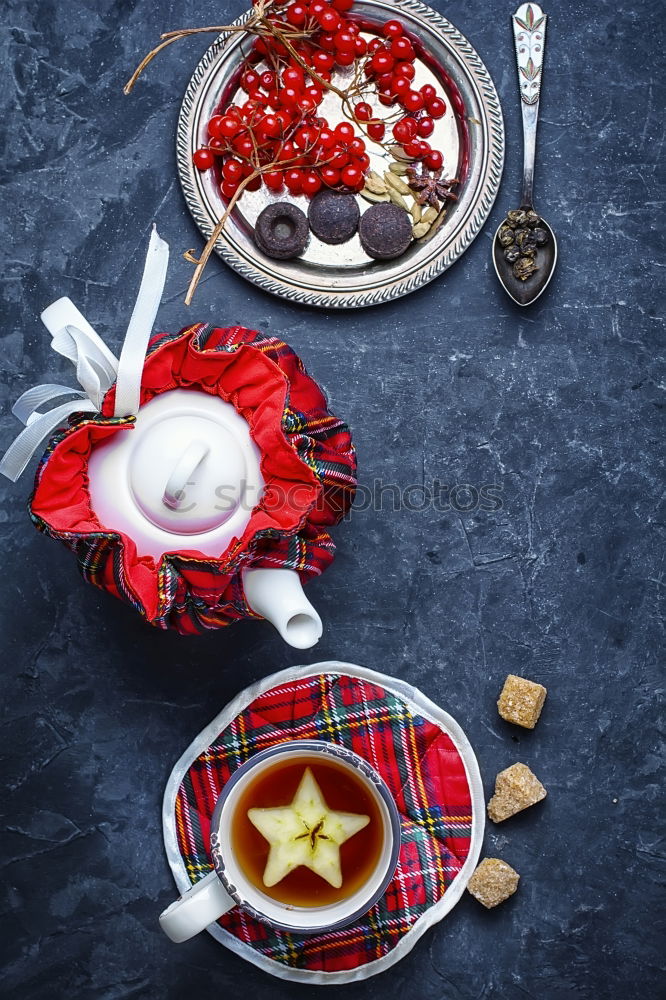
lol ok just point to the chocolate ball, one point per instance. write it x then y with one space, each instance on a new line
333 216
281 230
385 231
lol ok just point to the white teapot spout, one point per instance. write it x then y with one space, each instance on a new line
277 595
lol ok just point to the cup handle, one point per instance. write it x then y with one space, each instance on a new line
200 906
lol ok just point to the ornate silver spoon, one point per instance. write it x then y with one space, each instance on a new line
524 247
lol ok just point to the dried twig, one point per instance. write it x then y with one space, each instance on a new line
212 239
167 39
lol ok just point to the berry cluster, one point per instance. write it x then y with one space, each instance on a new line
390 66
276 135
314 154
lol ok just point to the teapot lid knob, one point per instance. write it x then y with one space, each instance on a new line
187 474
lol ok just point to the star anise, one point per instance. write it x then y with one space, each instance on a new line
429 187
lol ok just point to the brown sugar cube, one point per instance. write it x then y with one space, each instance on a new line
493 882
521 701
516 788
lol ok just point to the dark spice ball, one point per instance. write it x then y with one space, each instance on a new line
281 231
333 216
524 268
520 235
385 231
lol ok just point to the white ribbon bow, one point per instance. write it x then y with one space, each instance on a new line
97 368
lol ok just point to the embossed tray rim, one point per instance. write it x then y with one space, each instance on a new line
328 287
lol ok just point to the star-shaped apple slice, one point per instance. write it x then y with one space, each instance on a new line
306 832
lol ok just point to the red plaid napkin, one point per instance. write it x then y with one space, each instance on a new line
422 768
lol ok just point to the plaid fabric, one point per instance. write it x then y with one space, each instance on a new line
421 767
188 592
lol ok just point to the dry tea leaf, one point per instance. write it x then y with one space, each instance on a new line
398 153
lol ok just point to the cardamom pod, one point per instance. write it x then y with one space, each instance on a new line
416 212
398 168
438 221
375 183
420 229
396 183
373 196
397 199
430 215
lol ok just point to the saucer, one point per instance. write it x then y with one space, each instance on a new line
423 756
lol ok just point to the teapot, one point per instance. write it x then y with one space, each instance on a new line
198 474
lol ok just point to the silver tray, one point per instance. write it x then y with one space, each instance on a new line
343 277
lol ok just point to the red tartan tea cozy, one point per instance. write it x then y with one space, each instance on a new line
299 440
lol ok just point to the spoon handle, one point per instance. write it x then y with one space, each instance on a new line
529 32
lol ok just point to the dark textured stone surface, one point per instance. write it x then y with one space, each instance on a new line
560 406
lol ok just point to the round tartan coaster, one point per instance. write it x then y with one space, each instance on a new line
428 765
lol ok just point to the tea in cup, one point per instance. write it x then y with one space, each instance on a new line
304 836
